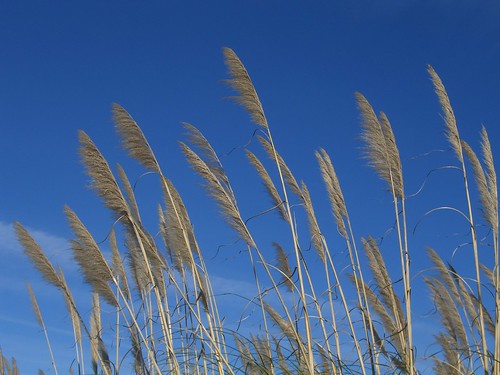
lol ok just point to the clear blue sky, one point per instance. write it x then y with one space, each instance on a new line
63 64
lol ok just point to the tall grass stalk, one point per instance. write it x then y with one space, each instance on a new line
316 313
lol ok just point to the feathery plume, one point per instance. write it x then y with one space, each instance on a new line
103 180
381 156
133 139
491 176
242 83
383 280
90 258
118 267
196 138
482 185
333 188
392 154
227 206
448 312
316 236
489 273
36 307
285 326
444 274
37 256
137 264
449 116
129 191
269 185
173 240
71 307
287 173
284 266
174 203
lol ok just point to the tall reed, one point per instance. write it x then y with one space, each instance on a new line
317 313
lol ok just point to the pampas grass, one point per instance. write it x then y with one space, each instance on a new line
315 313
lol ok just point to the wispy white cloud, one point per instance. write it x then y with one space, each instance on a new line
54 246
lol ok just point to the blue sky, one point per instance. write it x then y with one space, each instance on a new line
63 64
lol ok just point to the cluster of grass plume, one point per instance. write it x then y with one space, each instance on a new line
357 321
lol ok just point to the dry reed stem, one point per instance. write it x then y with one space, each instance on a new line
75 320
39 318
248 97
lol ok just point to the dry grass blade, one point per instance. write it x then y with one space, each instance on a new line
284 266
242 83
269 185
133 139
37 256
226 204
449 116
103 180
333 188
92 263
